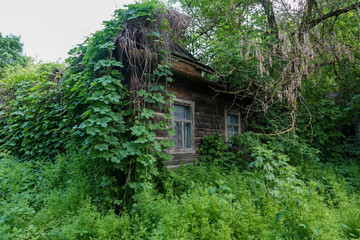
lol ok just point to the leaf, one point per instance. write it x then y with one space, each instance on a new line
171 132
101 147
141 93
107 63
278 216
118 202
147 113
107 45
154 34
139 130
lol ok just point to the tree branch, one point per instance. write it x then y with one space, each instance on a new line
233 7
336 13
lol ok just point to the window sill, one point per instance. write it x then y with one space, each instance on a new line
182 151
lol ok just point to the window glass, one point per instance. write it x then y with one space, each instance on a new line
178 134
187 113
181 112
232 119
231 131
236 129
188 135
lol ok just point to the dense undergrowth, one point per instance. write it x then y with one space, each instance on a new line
49 109
279 197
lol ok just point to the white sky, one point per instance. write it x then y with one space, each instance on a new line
49 28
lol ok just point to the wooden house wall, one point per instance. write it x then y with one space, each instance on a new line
209 112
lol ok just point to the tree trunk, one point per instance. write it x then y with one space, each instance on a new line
270 14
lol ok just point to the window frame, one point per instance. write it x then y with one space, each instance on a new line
191 104
227 125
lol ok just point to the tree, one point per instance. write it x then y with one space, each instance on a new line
10 52
269 48
294 63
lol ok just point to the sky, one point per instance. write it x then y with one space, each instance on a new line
49 28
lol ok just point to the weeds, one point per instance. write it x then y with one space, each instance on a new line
277 197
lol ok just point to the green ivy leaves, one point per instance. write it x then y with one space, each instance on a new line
107 63
32 118
90 108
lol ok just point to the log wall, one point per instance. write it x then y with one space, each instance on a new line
209 111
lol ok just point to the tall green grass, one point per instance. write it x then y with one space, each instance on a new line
56 201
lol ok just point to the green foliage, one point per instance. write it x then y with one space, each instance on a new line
328 122
287 83
258 151
10 52
49 110
307 200
32 114
213 150
353 108
52 200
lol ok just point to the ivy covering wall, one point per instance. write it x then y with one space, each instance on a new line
86 107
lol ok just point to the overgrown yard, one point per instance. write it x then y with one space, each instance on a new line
81 152
307 200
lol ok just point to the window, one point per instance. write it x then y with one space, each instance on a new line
183 126
232 124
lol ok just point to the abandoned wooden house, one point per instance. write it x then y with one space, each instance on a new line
198 111
199 108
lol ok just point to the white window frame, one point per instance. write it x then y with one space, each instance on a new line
191 104
226 122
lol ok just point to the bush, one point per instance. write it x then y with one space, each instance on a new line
56 199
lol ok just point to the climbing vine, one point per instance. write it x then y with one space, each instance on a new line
89 108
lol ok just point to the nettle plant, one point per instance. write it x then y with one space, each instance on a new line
95 112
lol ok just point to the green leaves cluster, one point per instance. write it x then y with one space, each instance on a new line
10 52
50 110
98 103
31 113
52 200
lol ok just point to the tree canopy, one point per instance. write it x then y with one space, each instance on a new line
282 55
11 52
